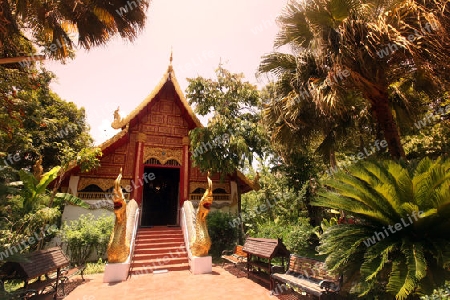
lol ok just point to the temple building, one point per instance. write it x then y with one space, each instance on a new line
152 148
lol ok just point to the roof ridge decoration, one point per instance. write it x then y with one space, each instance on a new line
168 76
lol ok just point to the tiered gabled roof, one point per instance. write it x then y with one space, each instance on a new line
169 76
124 123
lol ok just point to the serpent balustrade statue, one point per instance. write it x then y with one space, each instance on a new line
119 243
201 242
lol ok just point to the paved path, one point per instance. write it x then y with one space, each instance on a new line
174 285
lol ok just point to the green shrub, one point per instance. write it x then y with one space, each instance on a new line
223 235
439 294
85 235
296 236
95 267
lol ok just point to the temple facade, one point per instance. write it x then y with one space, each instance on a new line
153 151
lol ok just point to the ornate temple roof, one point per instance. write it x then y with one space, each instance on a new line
127 122
168 76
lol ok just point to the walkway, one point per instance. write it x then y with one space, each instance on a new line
174 285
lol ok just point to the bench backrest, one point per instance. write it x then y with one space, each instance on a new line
239 251
310 268
39 263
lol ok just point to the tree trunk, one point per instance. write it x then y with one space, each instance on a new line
56 187
333 162
385 119
241 231
377 95
315 213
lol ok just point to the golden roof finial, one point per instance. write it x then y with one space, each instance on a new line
170 60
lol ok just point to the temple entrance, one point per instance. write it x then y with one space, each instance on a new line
160 198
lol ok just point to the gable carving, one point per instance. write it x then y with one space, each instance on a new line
163 154
103 183
195 185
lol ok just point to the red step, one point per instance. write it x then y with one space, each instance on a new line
147 256
162 239
167 250
158 244
159 248
150 269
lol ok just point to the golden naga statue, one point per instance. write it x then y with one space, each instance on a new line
201 242
117 123
37 169
119 243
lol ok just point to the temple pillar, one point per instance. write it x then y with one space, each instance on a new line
137 182
73 185
184 176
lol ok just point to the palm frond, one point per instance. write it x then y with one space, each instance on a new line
71 199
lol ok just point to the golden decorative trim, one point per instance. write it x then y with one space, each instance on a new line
163 154
220 197
103 183
217 205
141 137
169 75
186 141
195 185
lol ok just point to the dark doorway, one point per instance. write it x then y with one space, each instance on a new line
160 199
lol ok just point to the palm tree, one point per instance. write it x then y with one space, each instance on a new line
51 23
399 243
292 118
296 114
341 46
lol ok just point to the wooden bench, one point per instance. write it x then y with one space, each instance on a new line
260 253
68 273
236 256
43 286
43 263
310 276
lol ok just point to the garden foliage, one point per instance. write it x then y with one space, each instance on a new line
409 262
296 235
86 235
223 235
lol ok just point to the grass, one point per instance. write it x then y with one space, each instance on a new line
95 267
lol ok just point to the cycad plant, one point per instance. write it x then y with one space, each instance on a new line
399 243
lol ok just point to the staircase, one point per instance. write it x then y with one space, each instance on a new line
159 248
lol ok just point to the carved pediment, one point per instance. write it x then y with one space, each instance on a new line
163 154
195 185
103 183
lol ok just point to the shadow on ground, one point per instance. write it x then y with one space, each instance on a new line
285 296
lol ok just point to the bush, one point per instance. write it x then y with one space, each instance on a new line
439 294
223 234
296 237
95 267
85 235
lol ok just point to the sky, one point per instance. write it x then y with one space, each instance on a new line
201 34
